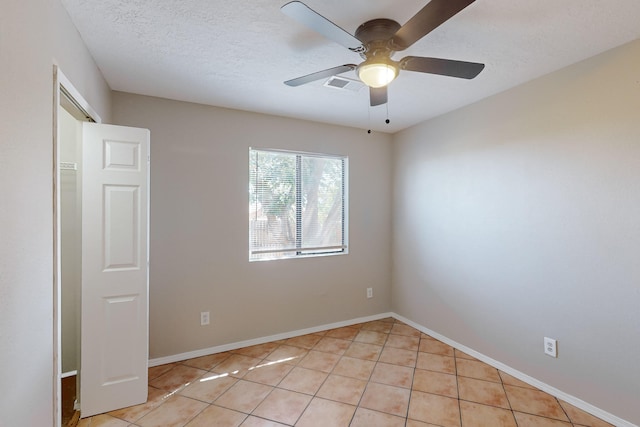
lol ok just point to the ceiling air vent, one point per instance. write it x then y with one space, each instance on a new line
343 83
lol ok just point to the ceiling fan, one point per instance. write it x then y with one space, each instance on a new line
377 40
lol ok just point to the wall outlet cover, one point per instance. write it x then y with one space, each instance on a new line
550 347
204 318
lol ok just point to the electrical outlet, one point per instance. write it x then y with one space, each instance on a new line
204 318
369 292
550 347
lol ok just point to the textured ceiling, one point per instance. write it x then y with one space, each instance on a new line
237 54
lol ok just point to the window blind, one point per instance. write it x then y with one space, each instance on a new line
297 204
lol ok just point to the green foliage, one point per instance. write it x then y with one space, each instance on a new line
275 181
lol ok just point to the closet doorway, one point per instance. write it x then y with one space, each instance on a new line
101 175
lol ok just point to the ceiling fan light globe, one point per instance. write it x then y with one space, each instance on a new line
377 74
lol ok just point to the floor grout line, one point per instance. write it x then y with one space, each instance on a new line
384 342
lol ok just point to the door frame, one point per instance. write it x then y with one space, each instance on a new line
63 91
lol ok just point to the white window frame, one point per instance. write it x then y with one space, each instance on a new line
307 252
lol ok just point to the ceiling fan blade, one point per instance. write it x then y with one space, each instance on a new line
312 19
378 95
426 20
444 67
320 75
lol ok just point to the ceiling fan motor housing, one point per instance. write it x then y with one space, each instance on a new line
376 35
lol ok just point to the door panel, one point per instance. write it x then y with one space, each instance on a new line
122 227
114 331
118 312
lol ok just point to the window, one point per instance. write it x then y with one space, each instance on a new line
297 204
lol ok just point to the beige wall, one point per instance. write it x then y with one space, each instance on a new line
199 227
519 217
33 35
77 64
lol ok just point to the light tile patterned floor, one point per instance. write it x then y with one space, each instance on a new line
376 374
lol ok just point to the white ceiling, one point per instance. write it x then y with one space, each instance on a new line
237 54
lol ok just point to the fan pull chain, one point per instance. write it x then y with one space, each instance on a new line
387 121
387 106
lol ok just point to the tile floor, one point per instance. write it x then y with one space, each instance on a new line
375 374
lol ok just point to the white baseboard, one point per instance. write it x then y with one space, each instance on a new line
68 374
285 335
578 403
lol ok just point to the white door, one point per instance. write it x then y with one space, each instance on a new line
114 327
